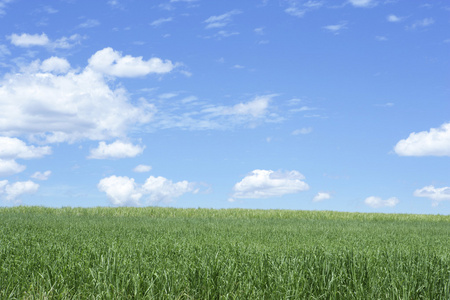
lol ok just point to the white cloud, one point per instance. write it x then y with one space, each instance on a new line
2 6
221 20
142 168
377 202
117 149
123 191
209 117
70 106
295 11
435 194
29 40
66 42
4 51
41 176
362 3
299 9
393 18
111 62
256 108
435 142
89 23
12 148
10 167
321 196
267 183
162 189
259 30
422 23
11 192
160 21
305 130
55 65
337 27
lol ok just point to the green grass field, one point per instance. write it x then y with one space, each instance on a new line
167 253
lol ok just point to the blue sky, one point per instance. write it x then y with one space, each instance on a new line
286 104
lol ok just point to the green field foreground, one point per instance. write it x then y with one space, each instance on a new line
167 253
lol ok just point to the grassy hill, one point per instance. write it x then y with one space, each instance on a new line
168 253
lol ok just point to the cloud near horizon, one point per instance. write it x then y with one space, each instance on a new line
377 202
124 191
435 194
268 183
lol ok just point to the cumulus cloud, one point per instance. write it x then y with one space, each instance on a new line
11 192
124 191
44 103
321 196
10 167
41 176
221 20
29 40
435 142
268 183
111 62
435 194
117 149
13 148
163 189
142 168
377 202
121 191
55 65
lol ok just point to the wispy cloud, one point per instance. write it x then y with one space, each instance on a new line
304 130
421 23
221 20
160 21
299 9
336 28
381 38
195 115
363 3
89 23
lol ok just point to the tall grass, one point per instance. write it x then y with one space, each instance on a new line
166 253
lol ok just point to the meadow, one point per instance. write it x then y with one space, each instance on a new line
168 253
